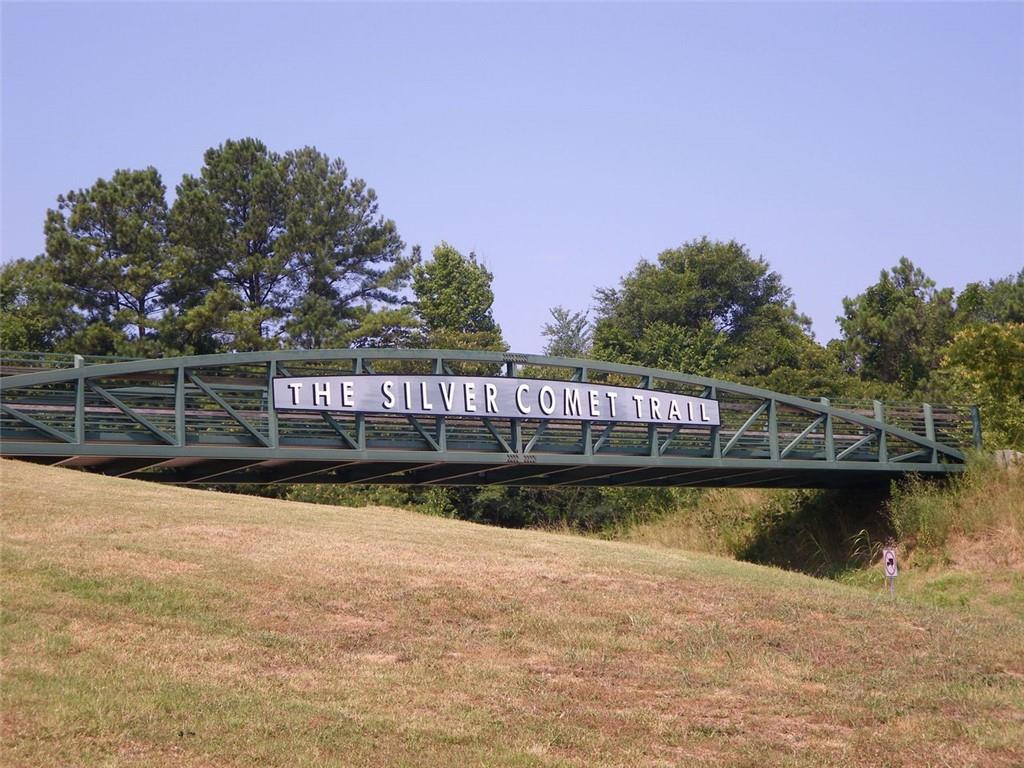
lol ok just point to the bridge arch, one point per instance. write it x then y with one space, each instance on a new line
216 419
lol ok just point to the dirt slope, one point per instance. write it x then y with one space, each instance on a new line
147 625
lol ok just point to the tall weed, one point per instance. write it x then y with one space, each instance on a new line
986 497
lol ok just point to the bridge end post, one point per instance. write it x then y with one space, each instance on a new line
929 429
976 425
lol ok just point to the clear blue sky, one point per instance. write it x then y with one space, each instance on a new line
562 143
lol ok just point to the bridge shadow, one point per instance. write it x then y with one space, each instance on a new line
821 532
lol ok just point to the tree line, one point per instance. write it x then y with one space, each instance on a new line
265 250
260 250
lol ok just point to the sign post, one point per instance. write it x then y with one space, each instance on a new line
891 569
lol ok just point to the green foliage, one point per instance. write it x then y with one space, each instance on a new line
259 250
346 257
895 330
35 309
229 222
283 249
709 308
998 301
984 365
454 302
108 245
700 282
591 510
349 495
568 334
822 532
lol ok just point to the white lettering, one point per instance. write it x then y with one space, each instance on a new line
549 407
486 396
447 393
521 390
571 406
639 400
322 391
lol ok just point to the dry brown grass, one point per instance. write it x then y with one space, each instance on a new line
145 625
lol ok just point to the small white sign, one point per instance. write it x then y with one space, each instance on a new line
889 561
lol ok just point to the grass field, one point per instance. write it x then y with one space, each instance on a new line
147 625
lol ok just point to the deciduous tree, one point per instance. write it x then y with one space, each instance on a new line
895 329
984 365
707 308
36 310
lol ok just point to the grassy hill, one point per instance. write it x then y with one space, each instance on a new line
961 542
147 625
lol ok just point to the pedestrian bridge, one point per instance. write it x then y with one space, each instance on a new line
437 417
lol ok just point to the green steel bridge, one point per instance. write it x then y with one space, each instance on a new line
215 419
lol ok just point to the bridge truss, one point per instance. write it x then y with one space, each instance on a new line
211 419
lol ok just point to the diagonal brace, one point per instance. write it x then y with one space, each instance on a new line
37 424
746 425
494 433
340 430
664 446
810 428
541 428
855 446
230 411
131 413
423 433
605 434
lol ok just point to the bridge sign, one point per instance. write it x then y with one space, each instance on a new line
497 397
